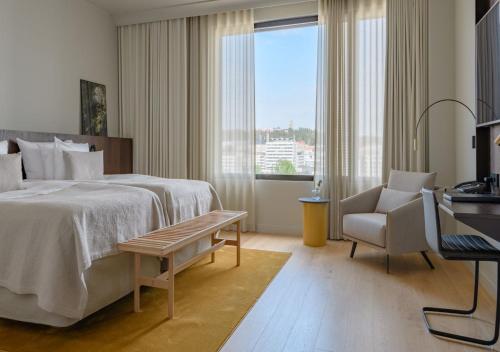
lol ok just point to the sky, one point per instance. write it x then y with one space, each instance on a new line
285 77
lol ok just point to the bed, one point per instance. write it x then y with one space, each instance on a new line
53 233
83 222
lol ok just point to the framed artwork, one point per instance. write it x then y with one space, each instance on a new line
93 109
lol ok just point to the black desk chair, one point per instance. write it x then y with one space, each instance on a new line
458 247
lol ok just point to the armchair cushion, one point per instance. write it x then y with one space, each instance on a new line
367 227
411 181
392 199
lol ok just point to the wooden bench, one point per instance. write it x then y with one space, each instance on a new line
166 241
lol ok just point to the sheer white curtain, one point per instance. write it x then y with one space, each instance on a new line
221 109
350 99
187 98
231 112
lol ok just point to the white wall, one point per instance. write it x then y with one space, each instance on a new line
307 8
46 47
278 208
442 85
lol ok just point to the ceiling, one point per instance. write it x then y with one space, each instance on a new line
125 12
118 7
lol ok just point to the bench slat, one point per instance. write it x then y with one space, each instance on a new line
163 241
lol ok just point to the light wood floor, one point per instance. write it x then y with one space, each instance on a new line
322 300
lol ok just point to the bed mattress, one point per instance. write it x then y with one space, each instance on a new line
107 280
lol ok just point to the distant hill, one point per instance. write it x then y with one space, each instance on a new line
307 135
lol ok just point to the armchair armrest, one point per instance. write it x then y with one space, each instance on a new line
364 202
405 229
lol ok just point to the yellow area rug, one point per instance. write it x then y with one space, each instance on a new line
210 300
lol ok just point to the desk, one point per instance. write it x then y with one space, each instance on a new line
483 217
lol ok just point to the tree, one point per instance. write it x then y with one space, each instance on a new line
284 167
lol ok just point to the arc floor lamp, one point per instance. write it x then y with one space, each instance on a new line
436 103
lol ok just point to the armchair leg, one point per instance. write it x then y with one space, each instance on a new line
387 263
427 259
353 249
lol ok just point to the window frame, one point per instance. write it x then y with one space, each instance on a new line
277 25
285 22
278 177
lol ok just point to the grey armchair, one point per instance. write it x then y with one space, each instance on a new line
389 217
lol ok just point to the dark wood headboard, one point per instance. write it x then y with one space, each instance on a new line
117 151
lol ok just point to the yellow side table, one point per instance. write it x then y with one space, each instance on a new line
315 221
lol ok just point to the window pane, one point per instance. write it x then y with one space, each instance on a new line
285 100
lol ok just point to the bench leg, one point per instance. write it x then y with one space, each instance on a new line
238 242
213 253
171 286
137 286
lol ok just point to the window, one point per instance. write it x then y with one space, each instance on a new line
285 99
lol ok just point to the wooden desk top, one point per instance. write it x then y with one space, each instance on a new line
483 217
463 209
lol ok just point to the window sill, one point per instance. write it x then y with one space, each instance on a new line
284 177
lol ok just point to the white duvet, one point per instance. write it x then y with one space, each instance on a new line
52 231
181 199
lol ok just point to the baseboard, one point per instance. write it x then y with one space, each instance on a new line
281 230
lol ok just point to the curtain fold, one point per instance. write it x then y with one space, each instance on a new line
153 96
350 99
197 97
229 111
407 87
187 100
133 46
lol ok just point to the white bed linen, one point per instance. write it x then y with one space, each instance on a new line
53 230
107 280
181 199
4 147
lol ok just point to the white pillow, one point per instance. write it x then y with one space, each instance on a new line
11 172
60 171
84 166
47 158
391 199
4 147
47 155
33 163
